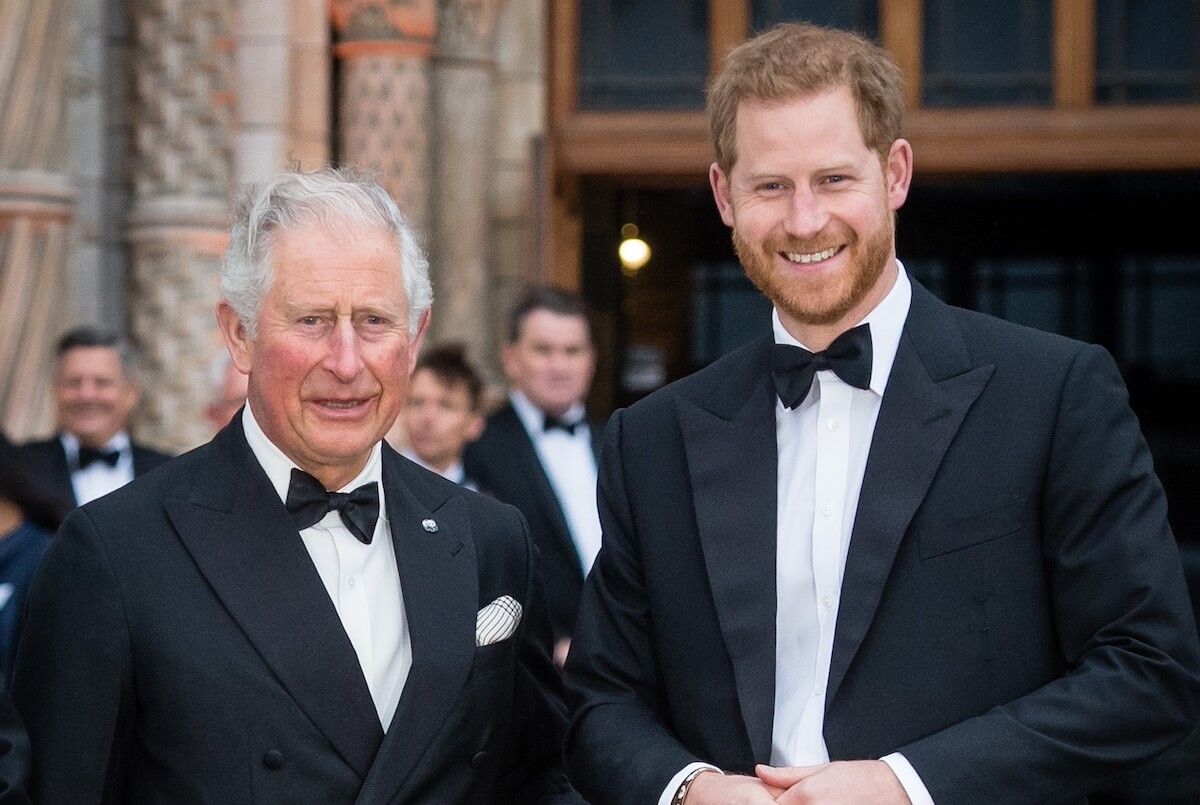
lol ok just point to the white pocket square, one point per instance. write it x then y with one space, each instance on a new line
497 621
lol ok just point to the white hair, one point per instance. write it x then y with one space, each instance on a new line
329 197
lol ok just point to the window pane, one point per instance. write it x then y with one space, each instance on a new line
637 54
1147 51
1160 298
1043 293
856 15
987 52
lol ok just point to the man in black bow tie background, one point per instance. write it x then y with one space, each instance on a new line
539 451
292 612
921 543
95 391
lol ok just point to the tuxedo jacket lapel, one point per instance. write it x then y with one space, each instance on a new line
236 530
441 598
732 460
932 386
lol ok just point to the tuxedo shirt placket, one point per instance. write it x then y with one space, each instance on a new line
362 581
823 445
815 517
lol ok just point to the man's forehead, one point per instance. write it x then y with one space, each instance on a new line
90 359
544 323
449 385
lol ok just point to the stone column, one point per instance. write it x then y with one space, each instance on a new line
383 96
178 223
464 99
36 205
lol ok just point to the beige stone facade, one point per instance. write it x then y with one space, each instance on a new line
130 126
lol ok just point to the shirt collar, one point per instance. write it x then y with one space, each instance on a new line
278 466
887 323
534 418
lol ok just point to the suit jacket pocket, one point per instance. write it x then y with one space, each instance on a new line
493 659
959 530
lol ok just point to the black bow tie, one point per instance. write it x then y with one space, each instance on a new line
849 356
90 455
308 502
553 422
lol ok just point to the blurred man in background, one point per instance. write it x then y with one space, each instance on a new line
95 391
443 412
539 451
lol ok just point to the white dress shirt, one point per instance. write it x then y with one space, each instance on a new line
98 479
361 580
822 448
570 465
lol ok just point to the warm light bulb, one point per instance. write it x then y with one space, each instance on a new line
634 253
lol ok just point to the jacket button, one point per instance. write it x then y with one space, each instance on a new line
273 759
478 759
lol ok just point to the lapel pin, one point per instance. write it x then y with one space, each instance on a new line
430 526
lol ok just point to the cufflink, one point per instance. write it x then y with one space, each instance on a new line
430 525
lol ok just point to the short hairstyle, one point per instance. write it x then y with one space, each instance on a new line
448 363
546 297
794 60
330 198
88 337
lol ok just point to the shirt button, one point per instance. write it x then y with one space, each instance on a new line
832 424
826 510
350 582
819 690
827 601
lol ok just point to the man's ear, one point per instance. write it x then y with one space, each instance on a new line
898 172
508 360
721 194
414 348
475 427
236 337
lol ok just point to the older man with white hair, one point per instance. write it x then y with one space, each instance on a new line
293 612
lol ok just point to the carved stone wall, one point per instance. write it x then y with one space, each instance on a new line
383 96
36 204
178 224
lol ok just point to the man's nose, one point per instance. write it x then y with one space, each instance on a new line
345 352
806 215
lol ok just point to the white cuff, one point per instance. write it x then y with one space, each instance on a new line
918 794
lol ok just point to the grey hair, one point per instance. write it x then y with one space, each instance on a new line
329 197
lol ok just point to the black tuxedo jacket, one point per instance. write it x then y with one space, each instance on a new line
505 464
180 647
1013 617
47 464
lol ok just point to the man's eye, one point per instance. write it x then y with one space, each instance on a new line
310 320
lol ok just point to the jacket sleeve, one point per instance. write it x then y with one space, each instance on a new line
1126 634
618 748
72 684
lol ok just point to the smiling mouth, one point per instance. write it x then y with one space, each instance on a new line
342 405
814 257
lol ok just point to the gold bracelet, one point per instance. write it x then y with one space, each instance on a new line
682 791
